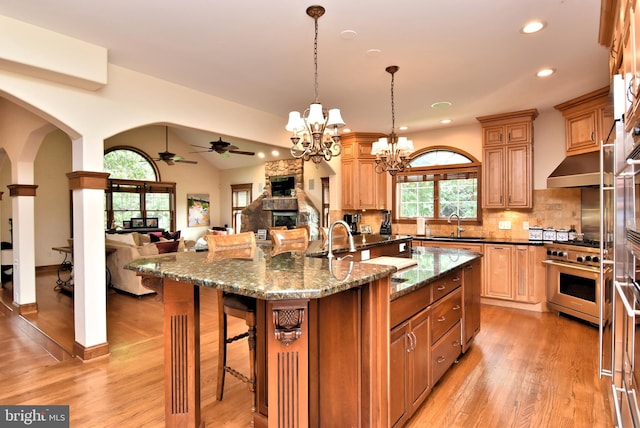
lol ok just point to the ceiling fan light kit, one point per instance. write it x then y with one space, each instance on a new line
168 157
223 148
315 131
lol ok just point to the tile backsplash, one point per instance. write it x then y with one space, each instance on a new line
556 208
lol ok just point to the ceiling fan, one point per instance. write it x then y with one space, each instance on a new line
167 156
223 148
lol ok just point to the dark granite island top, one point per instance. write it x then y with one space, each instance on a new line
265 276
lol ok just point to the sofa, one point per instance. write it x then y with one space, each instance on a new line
128 246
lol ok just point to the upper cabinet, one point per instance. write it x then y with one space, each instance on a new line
588 119
362 187
507 163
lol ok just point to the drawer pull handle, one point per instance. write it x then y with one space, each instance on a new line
456 307
441 359
442 287
441 319
456 279
456 343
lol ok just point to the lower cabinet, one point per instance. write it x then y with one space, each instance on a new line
471 291
514 272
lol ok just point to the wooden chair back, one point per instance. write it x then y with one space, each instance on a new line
289 240
239 245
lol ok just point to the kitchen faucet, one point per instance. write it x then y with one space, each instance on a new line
352 245
460 229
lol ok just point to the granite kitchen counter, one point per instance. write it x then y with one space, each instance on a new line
318 248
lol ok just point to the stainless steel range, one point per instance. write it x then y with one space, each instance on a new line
573 279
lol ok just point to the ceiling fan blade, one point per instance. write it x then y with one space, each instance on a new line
186 161
241 152
231 148
202 147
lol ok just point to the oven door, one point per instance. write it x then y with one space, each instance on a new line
574 290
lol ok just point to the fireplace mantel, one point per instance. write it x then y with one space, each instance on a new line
280 204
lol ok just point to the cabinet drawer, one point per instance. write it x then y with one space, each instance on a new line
445 352
406 306
446 285
445 314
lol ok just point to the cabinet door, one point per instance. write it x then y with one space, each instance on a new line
493 135
493 180
518 133
348 184
581 131
521 273
371 186
471 285
519 177
399 374
420 359
497 270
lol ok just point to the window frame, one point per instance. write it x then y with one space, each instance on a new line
237 209
473 167
140 187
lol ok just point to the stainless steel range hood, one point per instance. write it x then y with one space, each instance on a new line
576 171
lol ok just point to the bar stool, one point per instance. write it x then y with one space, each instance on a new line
238 306
289 240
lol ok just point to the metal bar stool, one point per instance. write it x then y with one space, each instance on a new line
238 306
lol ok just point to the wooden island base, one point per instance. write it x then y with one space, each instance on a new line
321 362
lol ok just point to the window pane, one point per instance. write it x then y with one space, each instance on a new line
416 199
164 218
157 201
128 164
439 157
458 196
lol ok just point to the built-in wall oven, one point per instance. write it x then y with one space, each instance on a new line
574 279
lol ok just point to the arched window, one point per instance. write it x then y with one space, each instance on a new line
136 192
439 181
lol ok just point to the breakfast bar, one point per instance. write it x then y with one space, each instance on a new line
323 327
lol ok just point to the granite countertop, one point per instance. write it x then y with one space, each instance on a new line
265 276
433 263
296 275
478 240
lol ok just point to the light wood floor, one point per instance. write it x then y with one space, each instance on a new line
524 370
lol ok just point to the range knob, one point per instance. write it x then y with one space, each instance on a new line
588 258
554 253
549 252
595 259
561 254
579 259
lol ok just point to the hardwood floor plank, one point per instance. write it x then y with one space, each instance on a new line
524 370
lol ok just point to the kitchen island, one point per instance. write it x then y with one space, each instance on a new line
323 346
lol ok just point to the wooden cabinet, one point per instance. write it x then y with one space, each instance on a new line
362 187
588 120
514 272
425 341
471 290
507 141
410 358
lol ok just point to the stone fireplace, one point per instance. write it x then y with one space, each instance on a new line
295 210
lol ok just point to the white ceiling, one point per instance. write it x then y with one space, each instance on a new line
260 53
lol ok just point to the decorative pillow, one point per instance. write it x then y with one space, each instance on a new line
171 236
125 238
167 246
143 238
148 250
155 236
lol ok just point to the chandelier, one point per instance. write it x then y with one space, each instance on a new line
315 132
392 152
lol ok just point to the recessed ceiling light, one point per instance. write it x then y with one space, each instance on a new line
275 153
545 72
533 27
345 130
445 121
403 128
373 52
441 104
260 155
348 34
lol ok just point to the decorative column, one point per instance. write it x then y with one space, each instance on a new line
89 286
24 263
